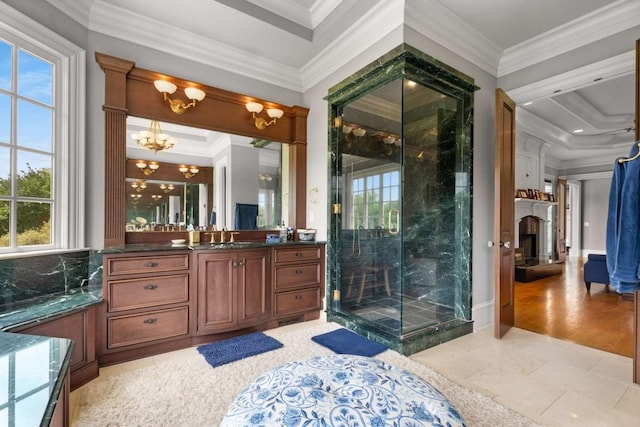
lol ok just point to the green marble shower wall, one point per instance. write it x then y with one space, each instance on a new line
399 243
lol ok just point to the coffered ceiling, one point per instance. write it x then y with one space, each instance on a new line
297 43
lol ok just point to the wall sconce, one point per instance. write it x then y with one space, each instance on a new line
347 129
264 177
178 106
166 188
261 123
147 168
188 171
139 185
154 139
392 140
135 198
156 197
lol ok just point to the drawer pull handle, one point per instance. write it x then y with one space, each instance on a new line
298 254
298 271
298 296
151 287
151 264
151 321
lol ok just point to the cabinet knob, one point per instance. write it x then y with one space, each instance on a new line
151 321
298 271
298 296
298 254
151 264
151 287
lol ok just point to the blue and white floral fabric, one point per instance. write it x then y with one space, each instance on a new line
341 390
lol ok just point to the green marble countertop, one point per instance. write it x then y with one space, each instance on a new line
152 247
47 306
32 372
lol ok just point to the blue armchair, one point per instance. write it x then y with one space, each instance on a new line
595 270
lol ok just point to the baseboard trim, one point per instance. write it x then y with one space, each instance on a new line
482 315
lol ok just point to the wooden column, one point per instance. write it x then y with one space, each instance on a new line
115 127
298 168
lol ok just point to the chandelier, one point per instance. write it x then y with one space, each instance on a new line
154 139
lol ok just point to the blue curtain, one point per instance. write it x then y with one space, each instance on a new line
246 217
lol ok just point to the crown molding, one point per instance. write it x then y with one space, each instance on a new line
583 110
371 27
599 24
321 9
615 66
431 19
123 24
588 176
287 9
78 10
378 107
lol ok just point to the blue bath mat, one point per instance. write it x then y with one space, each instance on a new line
343 341
226 351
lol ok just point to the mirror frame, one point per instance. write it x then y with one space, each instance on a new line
130 91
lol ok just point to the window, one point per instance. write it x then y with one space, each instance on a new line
41 137
374 194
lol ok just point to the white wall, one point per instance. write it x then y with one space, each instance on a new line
595 197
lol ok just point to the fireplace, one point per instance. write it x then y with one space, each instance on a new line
530 237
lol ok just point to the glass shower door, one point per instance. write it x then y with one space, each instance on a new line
369 235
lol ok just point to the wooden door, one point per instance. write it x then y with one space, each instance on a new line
504 205
561 222
252 276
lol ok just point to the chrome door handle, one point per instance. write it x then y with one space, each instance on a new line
505 244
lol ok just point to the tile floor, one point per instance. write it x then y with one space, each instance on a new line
553 382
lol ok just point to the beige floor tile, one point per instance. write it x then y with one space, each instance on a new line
573 409
616 367
515 389
452 362
563 352
605 390
629 403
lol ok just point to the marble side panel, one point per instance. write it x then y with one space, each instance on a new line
31 277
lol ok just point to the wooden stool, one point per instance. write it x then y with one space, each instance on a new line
363 271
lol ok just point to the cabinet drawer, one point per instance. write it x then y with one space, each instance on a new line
291 302
289 276
299 253
147 264
147 292
150 326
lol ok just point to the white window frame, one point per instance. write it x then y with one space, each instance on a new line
68 181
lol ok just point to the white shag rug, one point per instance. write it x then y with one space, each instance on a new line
190 393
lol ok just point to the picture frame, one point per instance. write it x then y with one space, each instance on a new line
519 256
531 194
538 195
523 194
545 197
552 198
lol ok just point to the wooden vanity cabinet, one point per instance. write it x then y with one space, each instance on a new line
78 326
298 282
233 289
147 304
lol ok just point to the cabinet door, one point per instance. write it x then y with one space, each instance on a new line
252 275
216 292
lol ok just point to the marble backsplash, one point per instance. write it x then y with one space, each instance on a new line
29 278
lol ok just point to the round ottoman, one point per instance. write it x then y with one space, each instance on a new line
341 390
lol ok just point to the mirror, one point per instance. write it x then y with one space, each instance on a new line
227 181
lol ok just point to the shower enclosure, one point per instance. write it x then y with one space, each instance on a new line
399 243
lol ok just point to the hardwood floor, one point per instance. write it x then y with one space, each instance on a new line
560 306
